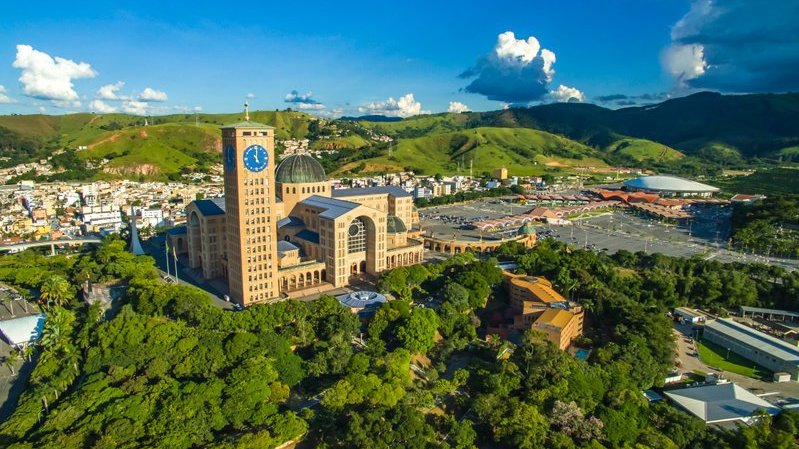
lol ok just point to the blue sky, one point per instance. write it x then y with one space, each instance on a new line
359 58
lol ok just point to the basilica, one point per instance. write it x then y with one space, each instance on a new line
283 231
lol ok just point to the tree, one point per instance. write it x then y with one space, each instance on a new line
57 328
521 426
11 360
416 332
55 290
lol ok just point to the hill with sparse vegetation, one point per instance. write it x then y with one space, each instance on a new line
697 135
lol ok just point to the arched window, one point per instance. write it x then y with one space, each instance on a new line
356 236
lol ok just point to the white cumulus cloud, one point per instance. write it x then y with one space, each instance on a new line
517 71
548 58
102 107
685 62
150 94
566 94
49 78
135 107
514 51
111 91
4 98
457 107
406 106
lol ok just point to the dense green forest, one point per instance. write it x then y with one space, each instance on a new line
770 226
171 370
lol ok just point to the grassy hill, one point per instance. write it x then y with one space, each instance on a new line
157 150
642 150
697 134
169 144
522 151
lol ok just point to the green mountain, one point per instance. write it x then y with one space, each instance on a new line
169 144
522 151
707 125
695 135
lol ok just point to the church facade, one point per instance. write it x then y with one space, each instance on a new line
280 230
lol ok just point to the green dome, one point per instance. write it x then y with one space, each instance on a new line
394 225
299 168
527 229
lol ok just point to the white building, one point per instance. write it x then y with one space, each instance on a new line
690 315
422 192
720 403
90 195
150 217
101 217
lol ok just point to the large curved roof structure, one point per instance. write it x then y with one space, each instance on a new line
668 184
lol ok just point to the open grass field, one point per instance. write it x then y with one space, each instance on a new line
716 356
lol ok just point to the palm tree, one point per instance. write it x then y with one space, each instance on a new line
54 328
55 290
27 352
11 360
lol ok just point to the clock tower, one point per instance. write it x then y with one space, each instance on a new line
249 164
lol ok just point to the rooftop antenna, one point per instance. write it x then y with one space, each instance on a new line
247 111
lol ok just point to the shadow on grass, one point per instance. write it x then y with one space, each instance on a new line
716 356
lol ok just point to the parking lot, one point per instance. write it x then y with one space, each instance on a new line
449 220
705 235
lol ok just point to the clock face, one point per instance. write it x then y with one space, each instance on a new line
256 158
230 157
354 230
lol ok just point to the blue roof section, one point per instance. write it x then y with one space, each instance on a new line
290 221
394 191
23 330
308 236
180 230
767 344
283 247
365 303
213 206
333 208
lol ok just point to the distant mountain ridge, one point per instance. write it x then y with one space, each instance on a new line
709 128
754 125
